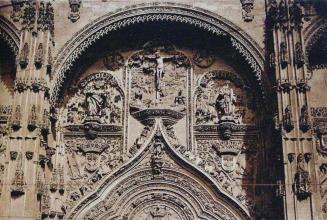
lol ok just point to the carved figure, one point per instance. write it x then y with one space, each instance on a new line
247 7
39 56
23 60
113 61
225 102
304 119
299 56
283 54
302 179
18 183
203 59
92 162
74 10
157 213
159 70
94 102
287 119
156 158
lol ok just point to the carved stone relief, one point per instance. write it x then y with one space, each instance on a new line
247 7
99 100
143 194
93 137
158 81
113 61
160 90
319 115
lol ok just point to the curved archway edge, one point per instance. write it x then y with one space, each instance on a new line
10 34
116 179
199 18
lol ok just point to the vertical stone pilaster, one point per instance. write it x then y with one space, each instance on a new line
29 120
292 92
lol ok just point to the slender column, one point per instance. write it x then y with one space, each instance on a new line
29 151
292 88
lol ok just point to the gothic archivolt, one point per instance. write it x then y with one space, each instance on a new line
156 87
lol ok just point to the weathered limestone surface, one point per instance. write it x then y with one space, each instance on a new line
184 109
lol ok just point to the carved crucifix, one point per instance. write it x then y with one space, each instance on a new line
159 71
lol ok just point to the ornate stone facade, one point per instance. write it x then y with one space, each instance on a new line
159 111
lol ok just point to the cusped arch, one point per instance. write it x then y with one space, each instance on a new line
312 34
194 189
9 34
169 12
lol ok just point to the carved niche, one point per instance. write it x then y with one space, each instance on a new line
158 82
221 104
99 100
302 180
93 137
226 139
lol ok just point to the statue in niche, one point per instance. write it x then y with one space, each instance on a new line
94 102
225 102
287 119
301 179
159 70
98 100
283 54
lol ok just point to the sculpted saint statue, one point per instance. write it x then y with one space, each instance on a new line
94 102
225 102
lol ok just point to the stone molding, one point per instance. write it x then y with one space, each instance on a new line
10 34
200 18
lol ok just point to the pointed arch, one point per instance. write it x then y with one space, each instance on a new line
9 34
164 12
210 204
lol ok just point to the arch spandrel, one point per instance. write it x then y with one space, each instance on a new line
162 182
10 34
217 157
145 13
